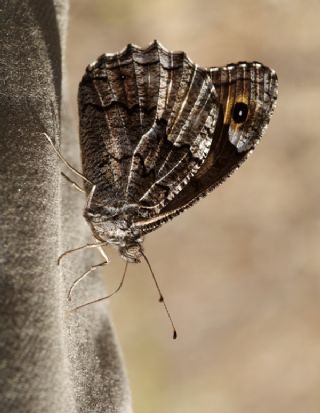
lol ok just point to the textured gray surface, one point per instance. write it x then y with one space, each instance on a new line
49 361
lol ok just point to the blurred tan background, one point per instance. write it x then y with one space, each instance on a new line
240 270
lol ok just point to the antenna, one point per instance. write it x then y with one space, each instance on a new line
107 296
161 299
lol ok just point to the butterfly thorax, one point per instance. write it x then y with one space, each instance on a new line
115 225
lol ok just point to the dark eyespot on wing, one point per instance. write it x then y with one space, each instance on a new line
245 85
239 112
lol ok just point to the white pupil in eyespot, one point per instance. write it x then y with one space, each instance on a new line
240 112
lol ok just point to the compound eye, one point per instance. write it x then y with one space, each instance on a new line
240 112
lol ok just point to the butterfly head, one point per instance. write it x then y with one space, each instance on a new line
247 94
131 251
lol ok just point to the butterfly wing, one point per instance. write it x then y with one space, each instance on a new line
247 94
147 118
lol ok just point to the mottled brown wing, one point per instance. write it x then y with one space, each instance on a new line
247 94
147 118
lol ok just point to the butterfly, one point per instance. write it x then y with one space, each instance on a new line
158 132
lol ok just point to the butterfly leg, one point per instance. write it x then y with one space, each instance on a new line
107 296
90 196
99 246
102 252
76 282
64 160
74 184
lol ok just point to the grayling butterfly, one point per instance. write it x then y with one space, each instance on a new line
157 133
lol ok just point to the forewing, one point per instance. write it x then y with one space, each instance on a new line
239 87
147 118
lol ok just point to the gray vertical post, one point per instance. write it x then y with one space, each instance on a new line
50 361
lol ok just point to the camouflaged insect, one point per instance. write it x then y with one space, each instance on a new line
158 133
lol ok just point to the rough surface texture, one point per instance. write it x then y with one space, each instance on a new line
49 361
